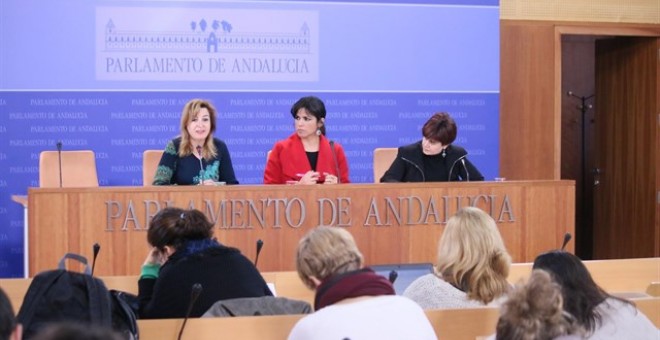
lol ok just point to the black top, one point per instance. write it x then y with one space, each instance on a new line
173 169
411 165
313 158
223 272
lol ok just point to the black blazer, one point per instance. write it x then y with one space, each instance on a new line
408 166
223 272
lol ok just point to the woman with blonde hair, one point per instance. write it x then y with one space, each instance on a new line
196 157
351 302
472 265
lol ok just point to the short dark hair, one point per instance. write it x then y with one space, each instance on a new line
7 317
174 226
314 106
440 128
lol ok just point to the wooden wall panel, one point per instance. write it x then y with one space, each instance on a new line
616 11
529 134
533 217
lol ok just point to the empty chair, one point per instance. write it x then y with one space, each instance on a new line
383 158
78 169
150 160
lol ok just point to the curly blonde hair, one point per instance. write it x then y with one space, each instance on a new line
472 256
534 311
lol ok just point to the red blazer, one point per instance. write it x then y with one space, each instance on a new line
288 159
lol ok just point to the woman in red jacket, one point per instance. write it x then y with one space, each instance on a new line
307 156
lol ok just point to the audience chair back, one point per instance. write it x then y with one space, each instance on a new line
383 158
78 169
150 160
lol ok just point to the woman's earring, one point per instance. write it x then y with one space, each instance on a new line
444 152
318 132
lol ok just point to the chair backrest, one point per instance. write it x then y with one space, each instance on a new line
78 169
150 160
383 158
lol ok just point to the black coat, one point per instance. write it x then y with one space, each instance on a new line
408 166
223 272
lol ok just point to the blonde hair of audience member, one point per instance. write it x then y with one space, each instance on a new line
535 311
190 112
472 256
324 252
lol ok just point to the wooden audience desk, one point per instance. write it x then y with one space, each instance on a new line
455 324
392 223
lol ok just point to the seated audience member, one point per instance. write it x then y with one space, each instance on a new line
72 331
196 157
534 311
10 329
183 254
602 315
434 158
472 265
351 302
307 156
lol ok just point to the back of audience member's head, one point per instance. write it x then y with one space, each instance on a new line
581 294
324 252
174 226
76 331
9 326
534 311
472 256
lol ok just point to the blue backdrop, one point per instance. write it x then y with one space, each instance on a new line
113 77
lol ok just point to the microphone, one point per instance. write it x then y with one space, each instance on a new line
334 158
96 248
194 294
260 245
467 174
201 165
567 237
393 275
452 167
59 158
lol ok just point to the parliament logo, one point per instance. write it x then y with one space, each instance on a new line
222 45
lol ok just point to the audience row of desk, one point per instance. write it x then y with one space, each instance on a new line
636 279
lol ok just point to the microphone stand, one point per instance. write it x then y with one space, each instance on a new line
59 159
584 107
334 158
201 165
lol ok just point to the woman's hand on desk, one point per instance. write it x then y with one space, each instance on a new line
310 177
208 182
331 179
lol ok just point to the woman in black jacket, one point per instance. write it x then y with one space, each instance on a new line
184 254
434 158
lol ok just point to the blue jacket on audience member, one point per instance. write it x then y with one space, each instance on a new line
412 165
